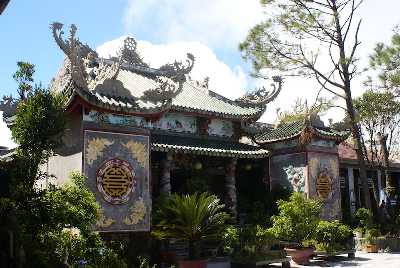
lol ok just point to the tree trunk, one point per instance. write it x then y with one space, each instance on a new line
350 108
230 186
386 164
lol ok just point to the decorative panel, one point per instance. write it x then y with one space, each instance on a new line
117 168
324 182
288 171
323 143
170 121
218 127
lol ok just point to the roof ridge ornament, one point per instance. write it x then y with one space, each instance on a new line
8 105
262 96
88 70
129 54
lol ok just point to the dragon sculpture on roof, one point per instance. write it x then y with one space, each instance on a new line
262 96
88 71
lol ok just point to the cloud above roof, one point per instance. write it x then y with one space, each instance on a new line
227 81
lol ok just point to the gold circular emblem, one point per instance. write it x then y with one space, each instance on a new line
115 180
324 185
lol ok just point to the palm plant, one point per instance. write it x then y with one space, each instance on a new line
193 218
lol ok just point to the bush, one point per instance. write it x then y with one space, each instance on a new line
297 219
332 236
371 235
193 218
249 244
364 218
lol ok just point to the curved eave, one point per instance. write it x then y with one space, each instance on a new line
338 137
251 116
119 107
160 147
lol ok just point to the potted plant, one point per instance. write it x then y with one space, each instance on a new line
250 246
193 218
358 232
296 222
371 236
332 237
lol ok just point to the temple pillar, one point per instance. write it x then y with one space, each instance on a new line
230 185
352 195
165 179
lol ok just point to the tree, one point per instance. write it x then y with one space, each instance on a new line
386 61
302 110
291 41
24 77
379 116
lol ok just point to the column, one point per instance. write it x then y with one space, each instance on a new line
165 179
352 194
379 179
230 185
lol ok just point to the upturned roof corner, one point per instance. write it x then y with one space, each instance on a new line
261 96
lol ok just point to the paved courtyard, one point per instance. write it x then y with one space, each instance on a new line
362 260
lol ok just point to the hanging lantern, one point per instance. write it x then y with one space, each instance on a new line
247 167
198 165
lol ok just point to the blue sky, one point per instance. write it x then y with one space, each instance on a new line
166 29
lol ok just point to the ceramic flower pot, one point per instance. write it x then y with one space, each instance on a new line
371 248
300 256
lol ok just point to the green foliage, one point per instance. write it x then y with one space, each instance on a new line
24 78
194 218
371 235
39 124
332 236
386 60
364 218
248 244
301 111
379 115
297 218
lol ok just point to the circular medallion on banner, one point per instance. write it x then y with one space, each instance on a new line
324 185
116 180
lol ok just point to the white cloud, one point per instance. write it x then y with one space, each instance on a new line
221 23
229 82
5 134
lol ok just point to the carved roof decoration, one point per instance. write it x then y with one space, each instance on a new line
8 105
91 74
262 96
126 84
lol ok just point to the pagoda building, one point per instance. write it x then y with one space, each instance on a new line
137 132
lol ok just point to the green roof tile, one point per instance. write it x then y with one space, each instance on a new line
293 129
202 146
191 99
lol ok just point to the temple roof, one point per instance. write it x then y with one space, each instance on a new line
294 129
199 146
125 97
129 85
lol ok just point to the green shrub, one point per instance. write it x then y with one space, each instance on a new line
249 244
297 219
371 235
194 218
364 218
332 236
